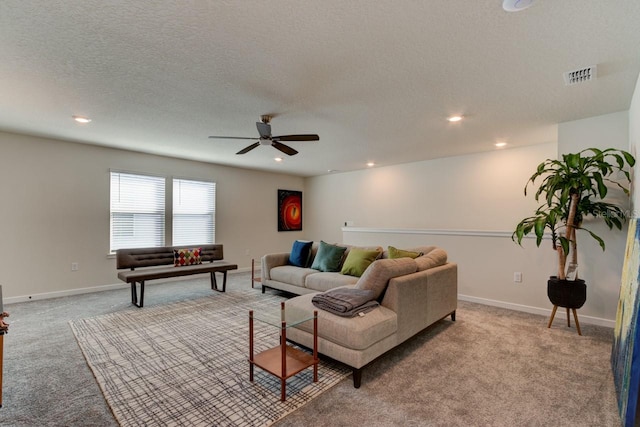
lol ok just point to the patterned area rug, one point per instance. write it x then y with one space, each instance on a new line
186 363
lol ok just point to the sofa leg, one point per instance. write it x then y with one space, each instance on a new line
263 288
357 377
453 316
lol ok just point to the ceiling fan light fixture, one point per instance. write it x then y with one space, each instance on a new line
371 164
500 144
277 159
454 119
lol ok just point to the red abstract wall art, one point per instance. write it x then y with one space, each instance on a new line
289 210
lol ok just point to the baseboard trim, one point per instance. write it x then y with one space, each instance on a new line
65 293
101 288
535 310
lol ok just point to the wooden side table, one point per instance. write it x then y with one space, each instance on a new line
254 279
283 361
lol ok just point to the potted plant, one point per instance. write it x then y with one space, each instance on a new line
571 190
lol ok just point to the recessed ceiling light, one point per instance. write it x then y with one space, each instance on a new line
454 118
516 5
371 164
500 144
278 159
81 119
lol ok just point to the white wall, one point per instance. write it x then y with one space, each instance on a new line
474 192
55 211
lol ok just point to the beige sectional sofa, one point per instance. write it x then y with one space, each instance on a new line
414 293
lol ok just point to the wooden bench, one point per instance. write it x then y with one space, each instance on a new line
148 260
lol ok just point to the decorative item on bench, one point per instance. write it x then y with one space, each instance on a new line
183 257
164 259
346 302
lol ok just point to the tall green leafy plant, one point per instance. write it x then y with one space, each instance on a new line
572 189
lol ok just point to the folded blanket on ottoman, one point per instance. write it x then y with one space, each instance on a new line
346 302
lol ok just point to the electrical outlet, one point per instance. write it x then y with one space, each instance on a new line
75 266
247 252
517 277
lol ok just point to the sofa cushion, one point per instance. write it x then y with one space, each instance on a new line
329 257
433 259
300 253
377 276
358 260
402 253
291 274
357 333
329 280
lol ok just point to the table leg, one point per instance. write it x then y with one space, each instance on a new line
251 345
1 364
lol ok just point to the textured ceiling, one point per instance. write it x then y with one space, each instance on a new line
375 80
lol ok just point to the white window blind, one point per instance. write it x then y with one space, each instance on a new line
137 211
194 212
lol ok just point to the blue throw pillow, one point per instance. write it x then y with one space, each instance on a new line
300 253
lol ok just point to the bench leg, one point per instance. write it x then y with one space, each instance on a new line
134 294
214 282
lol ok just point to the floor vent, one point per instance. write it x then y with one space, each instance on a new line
580 76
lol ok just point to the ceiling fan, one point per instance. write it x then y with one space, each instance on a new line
264 129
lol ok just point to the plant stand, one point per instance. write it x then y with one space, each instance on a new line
570 294
575 316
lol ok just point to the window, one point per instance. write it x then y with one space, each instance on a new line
194 208
137 211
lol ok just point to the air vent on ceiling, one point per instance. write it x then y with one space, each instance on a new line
580 76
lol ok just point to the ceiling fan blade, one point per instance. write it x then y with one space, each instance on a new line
232 137
264 129
296 138
249 148
284 148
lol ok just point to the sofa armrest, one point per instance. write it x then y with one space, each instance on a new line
422 298
272 260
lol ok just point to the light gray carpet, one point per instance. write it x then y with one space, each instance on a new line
186 363
492 367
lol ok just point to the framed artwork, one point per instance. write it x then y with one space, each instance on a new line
625 352
289 210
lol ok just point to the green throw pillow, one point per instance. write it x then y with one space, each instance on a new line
328 257
358 260
399 253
